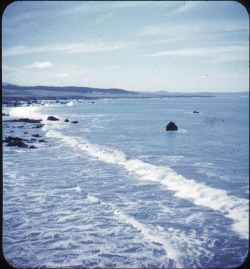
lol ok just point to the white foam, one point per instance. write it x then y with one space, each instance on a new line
152 235
182 130
155 235
93 199
78 189
208 170
200 194
27 112
62 244
193 217
174 158
71 103
103 154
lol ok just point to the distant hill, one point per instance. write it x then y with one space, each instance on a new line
9 90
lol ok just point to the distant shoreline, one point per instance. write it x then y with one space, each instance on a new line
21 100
12 94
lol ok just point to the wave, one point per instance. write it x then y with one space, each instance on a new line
71 103
27 112
152 235
209 171
199 194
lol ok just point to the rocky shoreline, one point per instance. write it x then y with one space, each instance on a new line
22 133
26 132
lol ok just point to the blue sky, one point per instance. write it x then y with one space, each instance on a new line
142 46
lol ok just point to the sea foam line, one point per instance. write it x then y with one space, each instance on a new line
200 194
152 236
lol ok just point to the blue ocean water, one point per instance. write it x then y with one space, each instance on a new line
117 190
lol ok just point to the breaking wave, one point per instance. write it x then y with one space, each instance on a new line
199 194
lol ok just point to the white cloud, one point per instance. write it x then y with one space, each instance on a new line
40 65
88 7
183 31
63 75
186 6
83 47
215 54
170 29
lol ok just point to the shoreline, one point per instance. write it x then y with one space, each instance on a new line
22 132
20 99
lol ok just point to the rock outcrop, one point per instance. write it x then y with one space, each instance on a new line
52 118
32 147
39 126
36 135
26 120
15 142
171 126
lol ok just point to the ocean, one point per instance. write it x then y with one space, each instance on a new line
115 190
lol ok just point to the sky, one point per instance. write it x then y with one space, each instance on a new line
175 46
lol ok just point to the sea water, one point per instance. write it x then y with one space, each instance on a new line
117 190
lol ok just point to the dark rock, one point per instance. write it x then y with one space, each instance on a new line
5 114
171 126
52 118
75 121
17 104
42 140
32 147
15 142
32 139
36 135
39 126
11 138
196 112
66 120
27 120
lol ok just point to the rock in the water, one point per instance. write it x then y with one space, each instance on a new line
75 121
15 142
196 112
52 118
171 126
27 120
39 126
32 147
66 120
36 135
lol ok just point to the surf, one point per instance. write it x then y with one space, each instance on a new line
231 207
